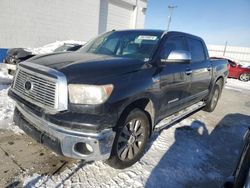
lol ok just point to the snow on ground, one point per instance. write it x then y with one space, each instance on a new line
238 85
6 104
49 48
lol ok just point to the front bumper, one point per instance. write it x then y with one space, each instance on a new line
63 141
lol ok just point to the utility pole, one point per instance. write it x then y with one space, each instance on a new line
171 9
225 48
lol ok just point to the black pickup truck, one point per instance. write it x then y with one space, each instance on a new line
103 101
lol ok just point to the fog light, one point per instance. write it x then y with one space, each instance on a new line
83 148
89 147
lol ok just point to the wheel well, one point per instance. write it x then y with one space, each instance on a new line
220 79
145 105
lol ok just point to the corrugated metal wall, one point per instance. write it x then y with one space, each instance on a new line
241 54
29 23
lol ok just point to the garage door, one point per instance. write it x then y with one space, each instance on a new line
120 15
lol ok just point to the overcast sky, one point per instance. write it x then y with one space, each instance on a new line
217 21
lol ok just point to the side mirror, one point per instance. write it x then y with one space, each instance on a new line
178 56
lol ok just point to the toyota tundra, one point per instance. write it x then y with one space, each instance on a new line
104 101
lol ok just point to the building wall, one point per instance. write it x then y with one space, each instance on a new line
30 23
33 23
240 54
142 7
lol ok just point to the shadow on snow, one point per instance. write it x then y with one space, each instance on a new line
200 159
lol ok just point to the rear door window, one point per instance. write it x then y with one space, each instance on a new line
196 49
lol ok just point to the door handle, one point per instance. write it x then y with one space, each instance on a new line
188 72
209 68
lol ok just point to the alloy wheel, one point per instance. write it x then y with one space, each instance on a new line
131 140
244 77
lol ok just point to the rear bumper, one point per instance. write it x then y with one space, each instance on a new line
62 140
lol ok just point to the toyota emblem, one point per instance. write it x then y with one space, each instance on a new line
28 85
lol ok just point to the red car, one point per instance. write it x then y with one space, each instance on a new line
237 70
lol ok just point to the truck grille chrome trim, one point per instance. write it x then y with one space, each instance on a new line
46 88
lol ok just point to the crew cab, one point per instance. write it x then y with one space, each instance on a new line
104 101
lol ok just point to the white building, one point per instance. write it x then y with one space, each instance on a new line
32 23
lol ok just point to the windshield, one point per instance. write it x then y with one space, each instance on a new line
130 44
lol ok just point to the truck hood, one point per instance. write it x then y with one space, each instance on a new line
87 67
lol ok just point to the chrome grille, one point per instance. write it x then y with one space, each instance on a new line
41 85
43 91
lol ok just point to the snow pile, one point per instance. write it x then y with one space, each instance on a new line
31 180
5 78
7 105
237 85
49 48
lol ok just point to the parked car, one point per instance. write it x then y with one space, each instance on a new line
237 70
241 175
103 101
17 55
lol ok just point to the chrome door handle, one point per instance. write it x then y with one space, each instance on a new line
188 72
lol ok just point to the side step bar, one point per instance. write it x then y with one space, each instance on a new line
178 115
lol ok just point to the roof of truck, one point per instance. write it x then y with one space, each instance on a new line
159 31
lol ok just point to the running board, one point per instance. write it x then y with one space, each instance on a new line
178 115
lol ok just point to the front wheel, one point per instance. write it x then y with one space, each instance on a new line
244 77
131 140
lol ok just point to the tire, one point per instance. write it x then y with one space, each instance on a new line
244 77
130 141
213 100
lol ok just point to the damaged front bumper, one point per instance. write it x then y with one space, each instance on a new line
76 144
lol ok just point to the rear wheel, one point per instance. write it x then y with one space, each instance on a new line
212 102
130 140
244 77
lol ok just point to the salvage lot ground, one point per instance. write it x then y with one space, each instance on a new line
200 151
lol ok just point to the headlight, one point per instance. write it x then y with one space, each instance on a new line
89 94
